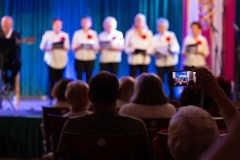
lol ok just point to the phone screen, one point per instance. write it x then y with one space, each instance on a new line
182 78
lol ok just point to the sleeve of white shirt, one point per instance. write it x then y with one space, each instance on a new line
128 45
205 49
43 42
67 42
175 48
150 49
75 41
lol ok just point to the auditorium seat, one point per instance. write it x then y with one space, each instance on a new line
160 146
155 125
220 123
56 125
103 147
46 124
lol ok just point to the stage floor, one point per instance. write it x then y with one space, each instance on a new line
34 105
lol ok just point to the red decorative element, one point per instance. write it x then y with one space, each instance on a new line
168 39
89 36
199 43
144 36
62 39
114 37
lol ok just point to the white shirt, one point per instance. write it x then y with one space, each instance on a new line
81 37
135 41
117 41
195 59
162 44
57 58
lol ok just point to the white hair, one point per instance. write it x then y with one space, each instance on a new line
191 132
7 17
142 17
163 21
111 20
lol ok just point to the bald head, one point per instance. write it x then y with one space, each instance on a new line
6 24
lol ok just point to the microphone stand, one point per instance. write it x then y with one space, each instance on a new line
216 49
237 65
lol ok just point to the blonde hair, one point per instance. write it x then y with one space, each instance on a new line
77 95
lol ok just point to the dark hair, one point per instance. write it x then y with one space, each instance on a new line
195 23
77 95
104 88
149 91
56 19
225 84
59 89
192 96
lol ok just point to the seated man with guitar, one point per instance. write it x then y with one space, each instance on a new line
10 52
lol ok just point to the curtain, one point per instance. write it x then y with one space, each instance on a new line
33 18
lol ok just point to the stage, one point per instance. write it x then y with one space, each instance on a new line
20 135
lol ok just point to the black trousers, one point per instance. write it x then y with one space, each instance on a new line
54 76
111 67
11 67
84 66
162 71
135 68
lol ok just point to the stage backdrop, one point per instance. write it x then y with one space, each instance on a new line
33 18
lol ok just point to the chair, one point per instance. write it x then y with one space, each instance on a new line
46 124
104 147
220 123
160 147
56 125
155 125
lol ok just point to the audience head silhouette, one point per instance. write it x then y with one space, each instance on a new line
127 88
191 132
59 89
104 89
77 95
149 91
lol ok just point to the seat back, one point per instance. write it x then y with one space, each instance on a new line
56 125
160 147
104 147
46 124
220 123
155 125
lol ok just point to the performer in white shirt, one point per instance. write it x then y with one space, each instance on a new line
111 46
55 44
85 46
166 49
195 48
138 45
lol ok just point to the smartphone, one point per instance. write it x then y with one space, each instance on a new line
183 78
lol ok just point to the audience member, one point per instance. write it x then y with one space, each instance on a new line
58 93
127 88
227 148
103 93
191 132
193 95
225 85
77 95
149 99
